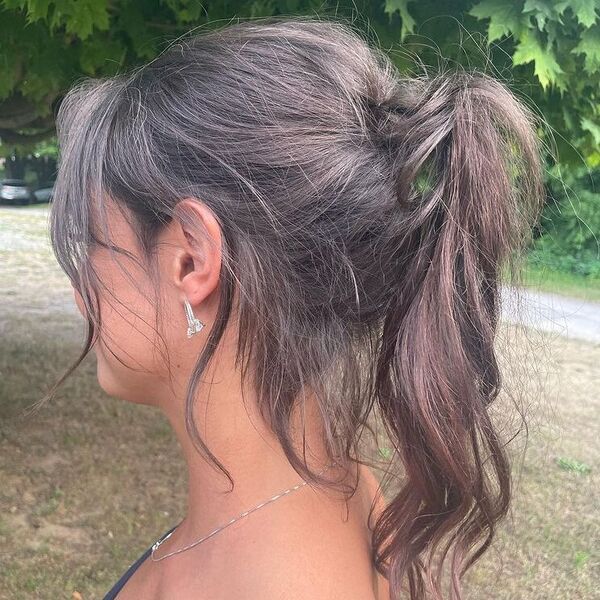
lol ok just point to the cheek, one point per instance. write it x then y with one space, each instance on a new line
130 350
128 327
128 364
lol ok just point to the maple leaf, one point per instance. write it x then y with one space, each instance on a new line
546 69
584 10
543 11
505 17
589 46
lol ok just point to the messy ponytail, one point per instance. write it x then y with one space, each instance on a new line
467 173
365 218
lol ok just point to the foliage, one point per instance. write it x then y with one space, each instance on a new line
560 40
541 46
569 239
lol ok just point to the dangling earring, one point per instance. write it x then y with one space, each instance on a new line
194 325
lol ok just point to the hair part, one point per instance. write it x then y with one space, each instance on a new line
365 217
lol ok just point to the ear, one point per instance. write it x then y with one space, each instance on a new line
198 263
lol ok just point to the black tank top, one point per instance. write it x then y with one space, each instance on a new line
120 584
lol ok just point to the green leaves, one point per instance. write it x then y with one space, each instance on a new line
82 17
101 55
408 23
589 47
593 128
79 18
583 10
541 30
505 17
546 68
542 12
36 9
549 49
524 22
558 42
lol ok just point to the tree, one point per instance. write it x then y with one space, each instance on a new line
548 50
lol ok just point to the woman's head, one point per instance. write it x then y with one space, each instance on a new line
270 152
343 226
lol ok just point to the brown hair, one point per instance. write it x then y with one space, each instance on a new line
366 217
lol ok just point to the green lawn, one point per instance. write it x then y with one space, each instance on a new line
557 282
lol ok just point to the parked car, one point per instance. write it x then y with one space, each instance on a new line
44 192
15 191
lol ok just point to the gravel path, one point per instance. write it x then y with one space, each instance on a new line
570 317
31 282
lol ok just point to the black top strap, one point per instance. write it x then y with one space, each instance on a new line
119 585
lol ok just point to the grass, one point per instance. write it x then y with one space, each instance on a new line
557 282
89 482
81 500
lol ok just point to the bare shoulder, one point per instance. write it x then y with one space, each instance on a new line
311 547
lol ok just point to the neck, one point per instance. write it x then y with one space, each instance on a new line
229 424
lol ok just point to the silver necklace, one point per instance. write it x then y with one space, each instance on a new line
244 514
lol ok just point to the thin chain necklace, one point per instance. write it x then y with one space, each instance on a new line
244 514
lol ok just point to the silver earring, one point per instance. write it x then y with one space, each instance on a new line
194 325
